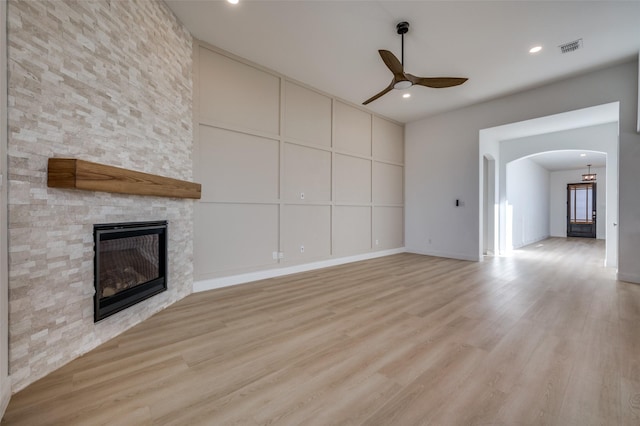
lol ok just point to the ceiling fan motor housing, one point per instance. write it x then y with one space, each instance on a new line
402 27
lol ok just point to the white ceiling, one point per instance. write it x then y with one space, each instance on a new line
332 45
570 160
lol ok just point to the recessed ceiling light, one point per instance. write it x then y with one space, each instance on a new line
232 1
535 49
406 95
583 155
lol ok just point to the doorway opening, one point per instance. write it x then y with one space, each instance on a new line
593 129
581 210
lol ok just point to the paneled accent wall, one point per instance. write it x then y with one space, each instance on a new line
109 82
288 170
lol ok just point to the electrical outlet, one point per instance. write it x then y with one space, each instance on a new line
274 255
280 255
301 249
377 242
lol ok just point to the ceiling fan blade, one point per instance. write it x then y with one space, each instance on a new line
436 82
392 63
385 91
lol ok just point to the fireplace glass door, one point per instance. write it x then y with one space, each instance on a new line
130 264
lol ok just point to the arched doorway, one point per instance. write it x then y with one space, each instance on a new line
593 129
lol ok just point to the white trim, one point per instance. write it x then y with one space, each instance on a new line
214 283
5 396
630 278
532 241
457 256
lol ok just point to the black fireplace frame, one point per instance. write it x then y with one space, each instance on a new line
107 306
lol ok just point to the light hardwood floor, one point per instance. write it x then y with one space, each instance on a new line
546 336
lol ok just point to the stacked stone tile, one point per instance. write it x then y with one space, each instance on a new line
103 81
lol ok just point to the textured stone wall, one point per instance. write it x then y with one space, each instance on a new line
104 81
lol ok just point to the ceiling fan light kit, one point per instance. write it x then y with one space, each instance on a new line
401 85
402 80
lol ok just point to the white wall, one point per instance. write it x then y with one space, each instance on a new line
442 162
558 200
527 203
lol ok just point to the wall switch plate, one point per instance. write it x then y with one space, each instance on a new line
301 249
274 255
377 242
302 195
280 255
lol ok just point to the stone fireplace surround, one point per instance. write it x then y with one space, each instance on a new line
108 82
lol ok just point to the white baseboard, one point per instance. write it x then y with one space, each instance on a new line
529 242
214 283
5 394
630 278
458 256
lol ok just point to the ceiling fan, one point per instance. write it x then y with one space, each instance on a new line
403 80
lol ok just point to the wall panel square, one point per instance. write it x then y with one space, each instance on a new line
352 230
234 236
307 115
388 227
352 130
308 171
387 183
308 226
353 179
388 141
238 94
236 166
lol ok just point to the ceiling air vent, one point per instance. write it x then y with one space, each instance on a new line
572 46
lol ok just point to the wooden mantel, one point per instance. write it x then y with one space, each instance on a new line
80 174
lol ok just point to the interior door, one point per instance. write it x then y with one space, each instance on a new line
581 210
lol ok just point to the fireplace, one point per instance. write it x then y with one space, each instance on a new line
130 264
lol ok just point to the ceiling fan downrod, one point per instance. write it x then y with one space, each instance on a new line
402 28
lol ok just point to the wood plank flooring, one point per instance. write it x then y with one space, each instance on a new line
546 336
